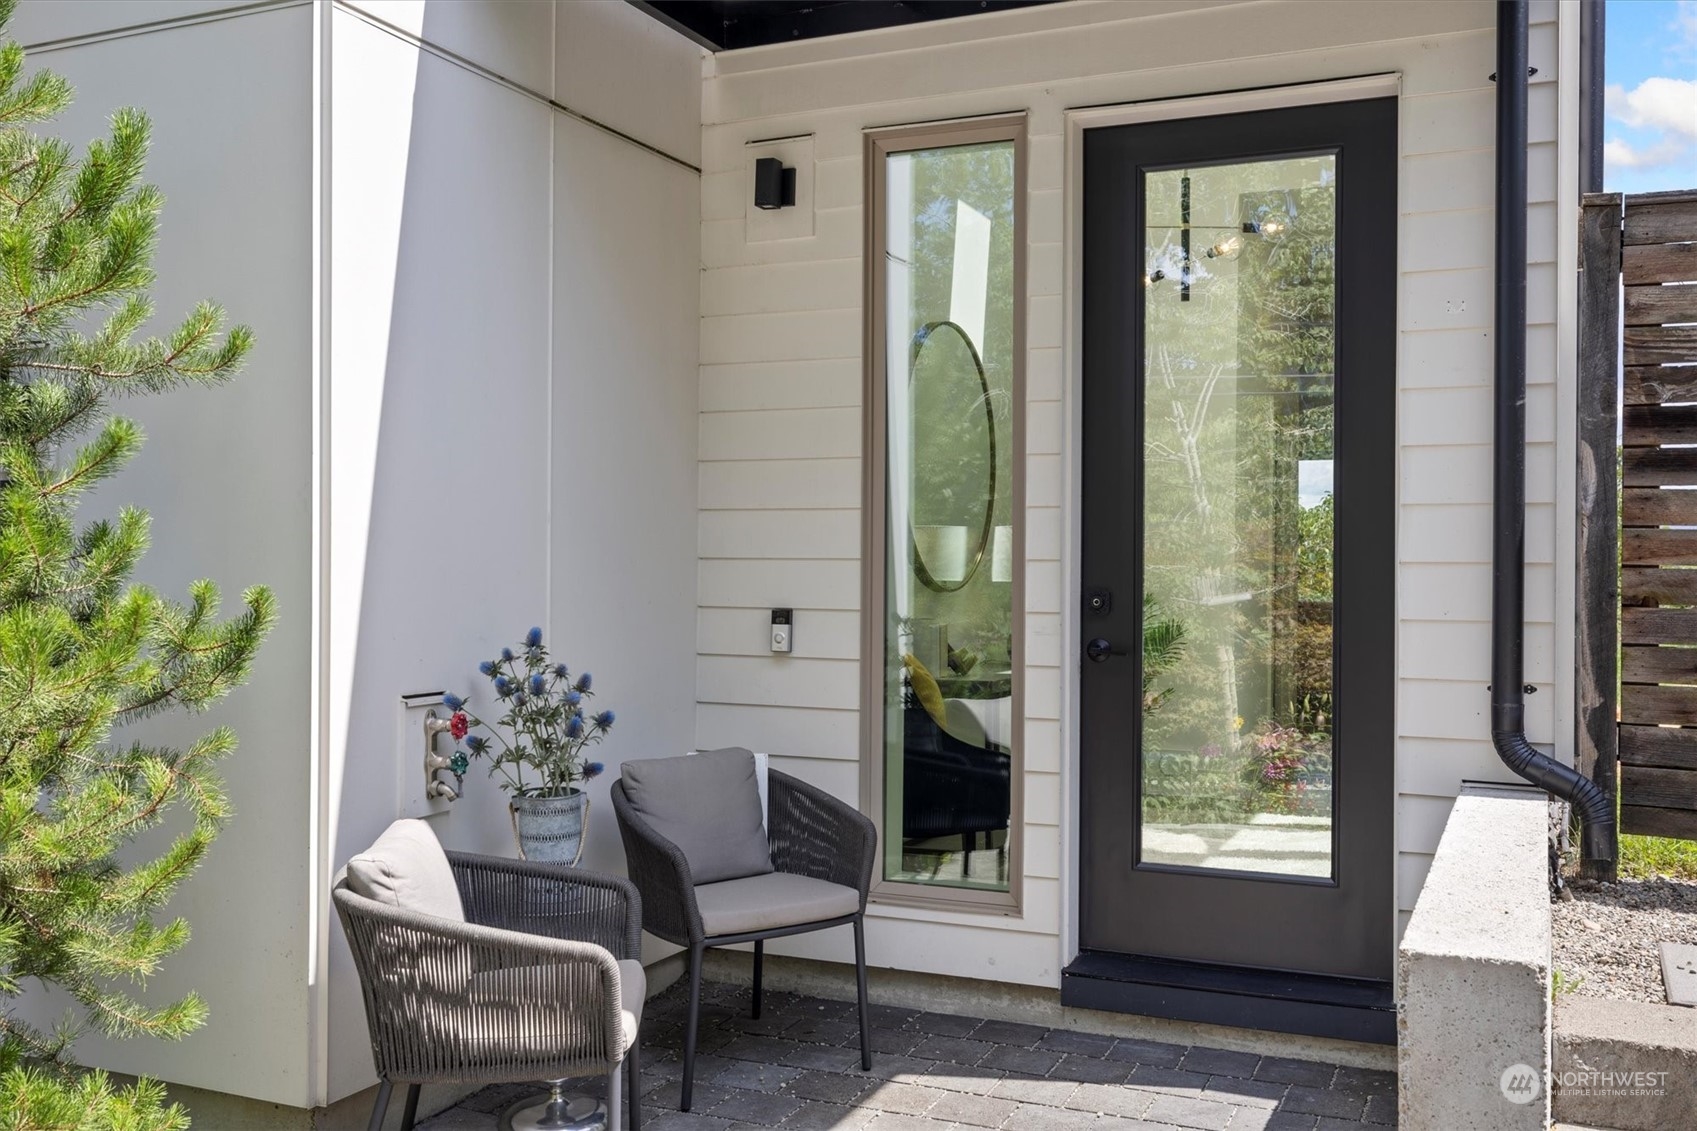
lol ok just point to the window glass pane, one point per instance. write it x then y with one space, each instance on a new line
1237 503
948 680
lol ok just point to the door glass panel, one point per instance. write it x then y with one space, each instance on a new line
1237 755
949 244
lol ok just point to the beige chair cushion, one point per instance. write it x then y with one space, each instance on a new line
777 899
708 804
633 991
407 868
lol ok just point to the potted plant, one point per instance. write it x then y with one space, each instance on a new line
538 748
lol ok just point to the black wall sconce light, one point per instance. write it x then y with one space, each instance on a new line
774 185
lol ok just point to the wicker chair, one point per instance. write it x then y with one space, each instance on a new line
811 834
540 982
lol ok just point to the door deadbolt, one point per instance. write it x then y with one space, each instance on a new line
1099 650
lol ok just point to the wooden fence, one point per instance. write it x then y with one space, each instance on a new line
1643 345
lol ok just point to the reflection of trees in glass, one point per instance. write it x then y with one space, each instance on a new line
1163 644
1238 389
950 445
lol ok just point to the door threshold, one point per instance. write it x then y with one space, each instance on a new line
1314 1005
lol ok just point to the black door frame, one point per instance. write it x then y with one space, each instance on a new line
1365 617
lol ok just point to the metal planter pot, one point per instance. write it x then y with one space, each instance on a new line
551 829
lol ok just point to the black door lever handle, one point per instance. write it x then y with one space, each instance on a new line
1099 650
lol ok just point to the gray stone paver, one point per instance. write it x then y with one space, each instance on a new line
798 1069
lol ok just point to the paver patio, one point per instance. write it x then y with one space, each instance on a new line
798 1067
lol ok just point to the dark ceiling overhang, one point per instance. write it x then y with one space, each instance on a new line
724 25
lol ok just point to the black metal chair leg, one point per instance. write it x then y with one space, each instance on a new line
759 959
409 1114
860 979
689 1027
633 1080
381 1107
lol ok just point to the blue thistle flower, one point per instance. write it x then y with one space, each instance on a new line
503 686
506 653
593 770
573 698
533 638
584 681
560 671
477 744
487 667
574 727
452 702
604 720
520 699
538 683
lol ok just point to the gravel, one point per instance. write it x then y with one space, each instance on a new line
1607 936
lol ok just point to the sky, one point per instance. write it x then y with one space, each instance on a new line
1650 70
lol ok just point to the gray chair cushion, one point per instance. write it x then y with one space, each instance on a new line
709 806
407 868
778 899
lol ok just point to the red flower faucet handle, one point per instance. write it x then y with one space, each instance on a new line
458 725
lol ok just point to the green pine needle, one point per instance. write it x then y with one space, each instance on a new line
84 650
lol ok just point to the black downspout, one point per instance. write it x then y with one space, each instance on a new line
1591 39
1508 559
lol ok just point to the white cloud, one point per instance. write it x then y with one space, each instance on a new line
1657 103
1685 25
1618 154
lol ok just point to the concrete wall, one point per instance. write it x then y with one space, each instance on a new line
227 475
511 404
1473 972
781 392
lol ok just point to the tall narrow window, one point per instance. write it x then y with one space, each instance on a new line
944 266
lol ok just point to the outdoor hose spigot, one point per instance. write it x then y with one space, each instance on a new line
434 763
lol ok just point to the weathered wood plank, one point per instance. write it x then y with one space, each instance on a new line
1659 746
1656 304
1657 546
1657 786
1672 222
1648 586
1645 820
1658 626
1651 506
1659 345
1645 426
1659 263
1653 384
1657 703
1659 467
1647 663
1596 652
1638 199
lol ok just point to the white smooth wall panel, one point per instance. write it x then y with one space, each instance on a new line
227 475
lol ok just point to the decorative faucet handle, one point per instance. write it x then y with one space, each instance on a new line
434 762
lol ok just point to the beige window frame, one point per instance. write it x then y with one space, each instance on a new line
879 145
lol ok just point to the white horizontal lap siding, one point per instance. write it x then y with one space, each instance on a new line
781 380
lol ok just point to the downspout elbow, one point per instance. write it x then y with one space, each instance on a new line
1595 808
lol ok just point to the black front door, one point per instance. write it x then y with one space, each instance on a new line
1238 540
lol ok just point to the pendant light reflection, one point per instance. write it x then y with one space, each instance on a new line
1269 223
